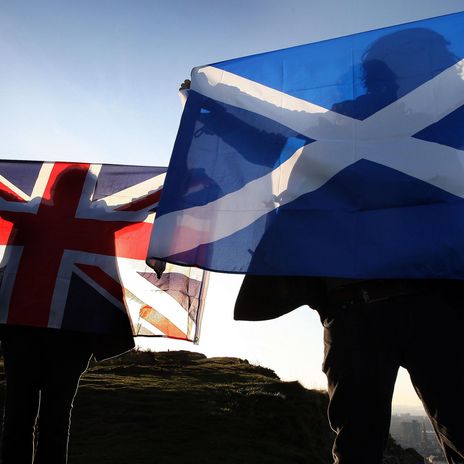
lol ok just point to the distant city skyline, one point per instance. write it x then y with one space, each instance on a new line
416 431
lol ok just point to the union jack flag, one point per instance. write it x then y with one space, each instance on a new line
73 243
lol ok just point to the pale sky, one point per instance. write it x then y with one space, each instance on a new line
96 80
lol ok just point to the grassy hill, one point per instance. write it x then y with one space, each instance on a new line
175 407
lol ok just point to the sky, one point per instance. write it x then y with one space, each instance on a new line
97 80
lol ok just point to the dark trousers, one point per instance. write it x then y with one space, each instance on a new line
42 371
365 344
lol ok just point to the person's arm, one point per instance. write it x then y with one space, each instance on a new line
184 91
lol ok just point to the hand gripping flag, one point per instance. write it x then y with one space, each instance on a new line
338 158
73 243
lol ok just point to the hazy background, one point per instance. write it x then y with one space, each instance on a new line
96 80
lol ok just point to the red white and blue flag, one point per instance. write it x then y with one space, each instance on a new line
73 243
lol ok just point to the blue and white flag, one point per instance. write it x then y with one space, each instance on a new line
338 158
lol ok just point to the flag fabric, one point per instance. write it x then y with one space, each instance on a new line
338 158
73 243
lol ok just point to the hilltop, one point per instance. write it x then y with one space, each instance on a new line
174 407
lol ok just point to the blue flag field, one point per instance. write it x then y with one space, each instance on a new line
338 158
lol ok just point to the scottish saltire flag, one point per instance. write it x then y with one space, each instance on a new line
338 158
73 243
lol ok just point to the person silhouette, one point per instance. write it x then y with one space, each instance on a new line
374 326
43 365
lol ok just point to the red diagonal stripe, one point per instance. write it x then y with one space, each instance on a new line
104 280
163 324
5 231
7 194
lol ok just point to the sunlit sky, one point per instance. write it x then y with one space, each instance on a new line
96 80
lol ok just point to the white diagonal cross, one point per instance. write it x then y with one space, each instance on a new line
384 138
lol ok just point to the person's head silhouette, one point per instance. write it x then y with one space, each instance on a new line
66 191
409 57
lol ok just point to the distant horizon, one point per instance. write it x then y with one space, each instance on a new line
413 411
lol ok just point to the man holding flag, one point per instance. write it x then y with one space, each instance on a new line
43 365
74 283
332 174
